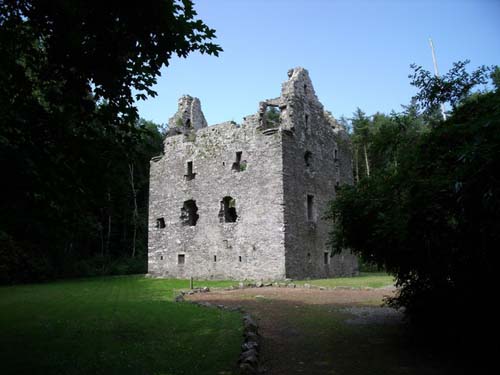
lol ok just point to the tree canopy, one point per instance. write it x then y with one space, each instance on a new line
429 213
74 154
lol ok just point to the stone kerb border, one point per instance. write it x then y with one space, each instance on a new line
249 356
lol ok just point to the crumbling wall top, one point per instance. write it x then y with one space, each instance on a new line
188 117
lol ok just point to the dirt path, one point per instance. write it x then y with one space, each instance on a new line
342 331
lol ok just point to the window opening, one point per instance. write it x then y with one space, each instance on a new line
181 259
239 165
337 186
335 154
308 158
160 222
326 257
310 207
215 258
307 121
189 213
273 116
239 258
227 213
189 171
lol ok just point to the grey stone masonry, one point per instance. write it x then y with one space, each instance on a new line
245 201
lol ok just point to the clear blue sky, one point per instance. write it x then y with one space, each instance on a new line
357 52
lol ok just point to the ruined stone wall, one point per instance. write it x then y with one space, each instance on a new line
316 159
250 248
289 166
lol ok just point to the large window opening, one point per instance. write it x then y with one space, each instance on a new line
189 213
227 213
273 116
310 208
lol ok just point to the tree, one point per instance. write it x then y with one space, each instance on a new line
71 72
361 127
452 88
495 77
433 221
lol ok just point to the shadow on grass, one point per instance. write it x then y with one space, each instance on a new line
113 325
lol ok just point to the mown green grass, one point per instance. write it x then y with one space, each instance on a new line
363 280
114 325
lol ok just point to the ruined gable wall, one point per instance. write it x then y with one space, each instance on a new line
311 131
258 234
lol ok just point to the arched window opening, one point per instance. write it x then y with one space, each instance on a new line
189 213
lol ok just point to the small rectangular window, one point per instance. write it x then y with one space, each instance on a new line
160 222
181 259
239 258
326 257
215 258
239 165
310 207
189 171
335 155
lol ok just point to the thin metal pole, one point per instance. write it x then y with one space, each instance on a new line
436 73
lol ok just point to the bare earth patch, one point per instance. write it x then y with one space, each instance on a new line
341 331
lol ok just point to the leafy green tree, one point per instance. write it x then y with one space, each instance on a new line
70 142
432 217
495 77
452 88
361 127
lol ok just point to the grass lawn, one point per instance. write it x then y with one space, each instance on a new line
114 325
364 280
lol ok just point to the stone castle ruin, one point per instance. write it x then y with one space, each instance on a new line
245 201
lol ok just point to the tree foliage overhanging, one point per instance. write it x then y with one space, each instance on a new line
73 153
429 212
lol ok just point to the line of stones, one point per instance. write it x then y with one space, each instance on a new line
249 357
